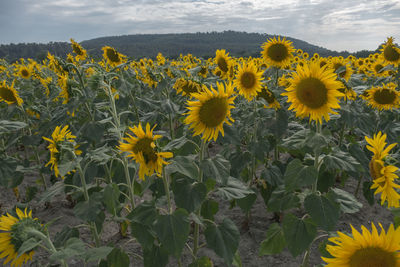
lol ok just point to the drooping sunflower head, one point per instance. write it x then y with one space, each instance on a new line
277 52
313 92
365 249
390 53
60 139
248 80
384 97
186 87
14 231
9 94
211 109
143 150
341 67
112 57
81 53
269 97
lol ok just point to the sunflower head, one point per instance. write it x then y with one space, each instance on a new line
248 80
365 248
62 144
203 71
376 68
81 53
277 52
341 67
313 92
9 94
384 97
186 87
142 148
210 109
14 231
25 72
390 53
269 97
223 62
112 57
160 59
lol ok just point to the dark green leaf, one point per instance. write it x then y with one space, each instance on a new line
209 208
322 210
95 254
202 262
117 258
217 168
281 200
348 203
189 195
368 192
185 165
275 241
155 257
65 234
297 175
234 189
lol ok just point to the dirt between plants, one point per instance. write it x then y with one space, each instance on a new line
250 236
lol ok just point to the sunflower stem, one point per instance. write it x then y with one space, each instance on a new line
166 189
253 167
316 159
131 185
196 225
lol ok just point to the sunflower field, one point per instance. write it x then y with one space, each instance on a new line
159 150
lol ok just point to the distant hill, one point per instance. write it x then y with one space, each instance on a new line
170 45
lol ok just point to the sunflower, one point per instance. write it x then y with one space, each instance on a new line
9 94
390 53
25 72
248 80
112 56
81 53
13 233
203 71
383 175
377 67
160 59
59 137
186 87
210 110
142 149
313 92
269 97
366 249
222 60
385 97
63 83
336 63
277 52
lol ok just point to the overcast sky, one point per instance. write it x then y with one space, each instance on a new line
334 24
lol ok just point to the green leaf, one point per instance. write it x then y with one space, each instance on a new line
281 200
9 176
51 192
189 195
117 258
88 210
28 245
73 247
65 234
209 208
297 175
111 199
145 213
143 234
185 165
217 168
368 193
247 202
340 160
10 126
95 254
322 210
234 189
298 233
173 231
348 203
155 257
223 239
275 241
202 262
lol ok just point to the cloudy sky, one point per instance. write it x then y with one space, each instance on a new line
338 25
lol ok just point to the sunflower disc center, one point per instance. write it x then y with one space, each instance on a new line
113 55
278 52
213 112
385 96
7 94
25 73
372 257
77 50
312 92
144 145
248 80
189 88
378 67
222 64
391 54
268 96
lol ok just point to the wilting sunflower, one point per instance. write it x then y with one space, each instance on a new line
222 60
385 97
142 149
13 233
365 249
9 94
112 56
59 137
336 63
383 175
277 53
390 53
186 87
81 53
269 97
210 110
248 80
313 91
